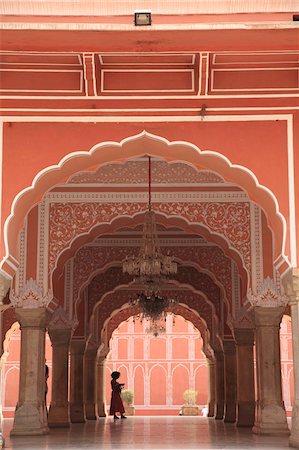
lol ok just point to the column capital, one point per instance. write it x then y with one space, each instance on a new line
268 317
290 283
268 294
32 317
60 337
244 336
31 295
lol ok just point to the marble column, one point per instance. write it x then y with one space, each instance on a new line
59 412
101 384
291 285
270 415
230 374
30 416
212 387
219 372
245 377
77 411
90 383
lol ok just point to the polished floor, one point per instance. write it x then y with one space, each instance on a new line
146 433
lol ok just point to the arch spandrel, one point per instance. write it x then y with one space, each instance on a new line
156 146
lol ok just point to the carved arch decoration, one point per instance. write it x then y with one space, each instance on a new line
116 318
113 279
91 260
119 297
134 146
224 224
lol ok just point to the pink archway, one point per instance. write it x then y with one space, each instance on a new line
135 146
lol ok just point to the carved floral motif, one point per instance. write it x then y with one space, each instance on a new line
30 295
60 320
136 172
68 220
268 294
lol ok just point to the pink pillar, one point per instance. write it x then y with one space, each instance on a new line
230 381
90 383
219 358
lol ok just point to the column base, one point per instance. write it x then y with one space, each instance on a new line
230 415
59 416
101 410
219 412
77 414
211 411
271 420
246 414
30 420
90 411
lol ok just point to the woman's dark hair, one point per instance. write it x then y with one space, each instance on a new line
115 375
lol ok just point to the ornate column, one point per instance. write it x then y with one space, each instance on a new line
291 285
90 358
212 396
77 411
4 287
101 383
245 377
219 371
60 332
30 416
269 305
230 381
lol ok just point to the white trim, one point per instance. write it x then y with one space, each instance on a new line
46 71
87 26
127 91
291 180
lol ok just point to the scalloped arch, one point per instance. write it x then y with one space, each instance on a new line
134 146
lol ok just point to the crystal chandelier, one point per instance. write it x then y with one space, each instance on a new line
150 266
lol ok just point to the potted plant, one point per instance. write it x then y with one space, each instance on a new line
190 408
128 397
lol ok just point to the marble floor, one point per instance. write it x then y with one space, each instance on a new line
146 433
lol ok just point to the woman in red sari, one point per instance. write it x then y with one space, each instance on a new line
116 404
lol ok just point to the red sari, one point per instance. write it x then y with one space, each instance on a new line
116 404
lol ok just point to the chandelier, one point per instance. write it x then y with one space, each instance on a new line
150 268
156 329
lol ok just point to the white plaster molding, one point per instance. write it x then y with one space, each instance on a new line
30 296
268 294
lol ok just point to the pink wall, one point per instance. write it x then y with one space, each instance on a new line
160 369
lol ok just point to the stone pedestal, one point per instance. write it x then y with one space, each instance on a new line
245 377
90 383
219 372
59 412
291 285
271 415
30 416
211 403
230 381
77 412
100 373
